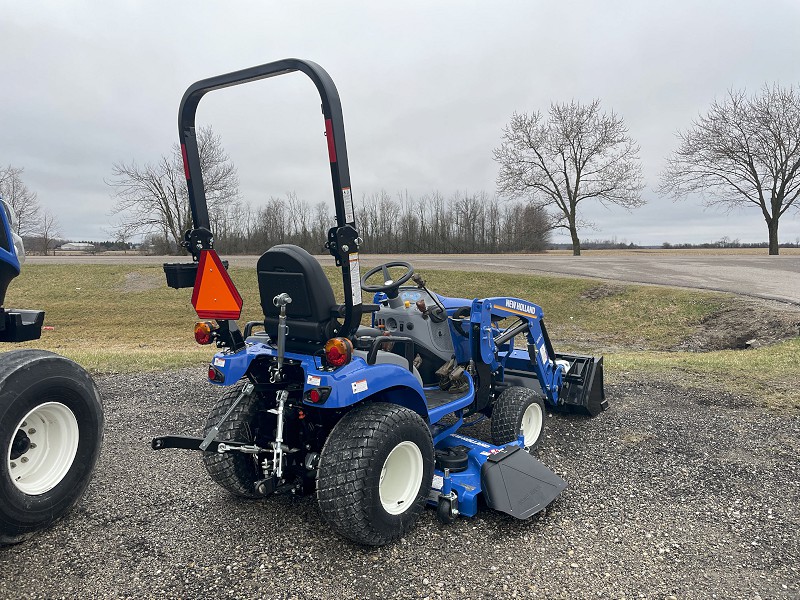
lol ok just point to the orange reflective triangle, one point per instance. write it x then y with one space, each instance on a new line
214 295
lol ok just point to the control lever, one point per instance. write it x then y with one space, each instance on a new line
437 316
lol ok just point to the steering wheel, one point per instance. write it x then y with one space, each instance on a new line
390 286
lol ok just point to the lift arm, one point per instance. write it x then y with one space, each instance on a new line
549 372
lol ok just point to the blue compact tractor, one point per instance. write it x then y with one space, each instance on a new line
51 415
368 417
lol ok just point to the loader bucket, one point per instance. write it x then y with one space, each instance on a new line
583 384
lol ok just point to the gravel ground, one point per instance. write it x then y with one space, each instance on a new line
672 492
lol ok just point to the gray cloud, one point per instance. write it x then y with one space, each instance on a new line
426 89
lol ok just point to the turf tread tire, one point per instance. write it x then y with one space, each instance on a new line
234 471
30 378
507 414
350 466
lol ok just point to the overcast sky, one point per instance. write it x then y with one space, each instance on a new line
426 88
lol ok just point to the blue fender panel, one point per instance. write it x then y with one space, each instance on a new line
231 366
349 384
358 381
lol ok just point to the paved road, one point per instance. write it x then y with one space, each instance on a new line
768 277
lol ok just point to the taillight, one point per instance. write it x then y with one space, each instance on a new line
318 395
338 351
204 332
215 374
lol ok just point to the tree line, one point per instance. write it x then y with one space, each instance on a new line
431 223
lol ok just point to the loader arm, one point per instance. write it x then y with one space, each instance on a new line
496 346
567 380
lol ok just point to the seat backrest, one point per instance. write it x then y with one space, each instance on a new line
288 268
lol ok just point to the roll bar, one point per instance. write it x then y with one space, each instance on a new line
343 240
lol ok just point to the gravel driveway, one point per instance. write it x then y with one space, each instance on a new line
671 493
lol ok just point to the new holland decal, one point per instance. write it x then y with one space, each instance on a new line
519 306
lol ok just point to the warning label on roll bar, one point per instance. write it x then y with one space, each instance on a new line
349 213
355 278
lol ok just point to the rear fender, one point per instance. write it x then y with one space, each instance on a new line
230 368
351 384
404 397
358 382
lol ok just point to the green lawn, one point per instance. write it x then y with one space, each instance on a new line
124 318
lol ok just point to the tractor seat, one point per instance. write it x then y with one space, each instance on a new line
310 316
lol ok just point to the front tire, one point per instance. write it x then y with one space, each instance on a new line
375 471
51 430
518 409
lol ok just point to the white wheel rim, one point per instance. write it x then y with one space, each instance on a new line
401 478
532 424
44 460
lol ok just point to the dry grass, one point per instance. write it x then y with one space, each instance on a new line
123 318
770 375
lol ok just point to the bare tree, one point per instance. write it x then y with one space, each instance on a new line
577 153
154 198
21 199
48 230
745 151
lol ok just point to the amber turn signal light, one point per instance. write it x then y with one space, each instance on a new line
338 351
204 332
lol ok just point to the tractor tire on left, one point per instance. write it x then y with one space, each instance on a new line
51 430
234 471
374 474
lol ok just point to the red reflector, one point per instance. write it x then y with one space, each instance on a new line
215 375
185 162
214 295
331 143
317 395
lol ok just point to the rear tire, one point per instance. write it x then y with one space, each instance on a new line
51 430
375 471
234 471
518 409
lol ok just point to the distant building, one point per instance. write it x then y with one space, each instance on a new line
77 247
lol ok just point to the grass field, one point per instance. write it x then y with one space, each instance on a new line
123 318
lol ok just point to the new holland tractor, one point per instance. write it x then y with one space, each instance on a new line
367 417
51 415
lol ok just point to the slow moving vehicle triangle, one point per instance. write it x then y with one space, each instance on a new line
214 295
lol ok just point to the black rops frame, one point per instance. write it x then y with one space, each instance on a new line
343 239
